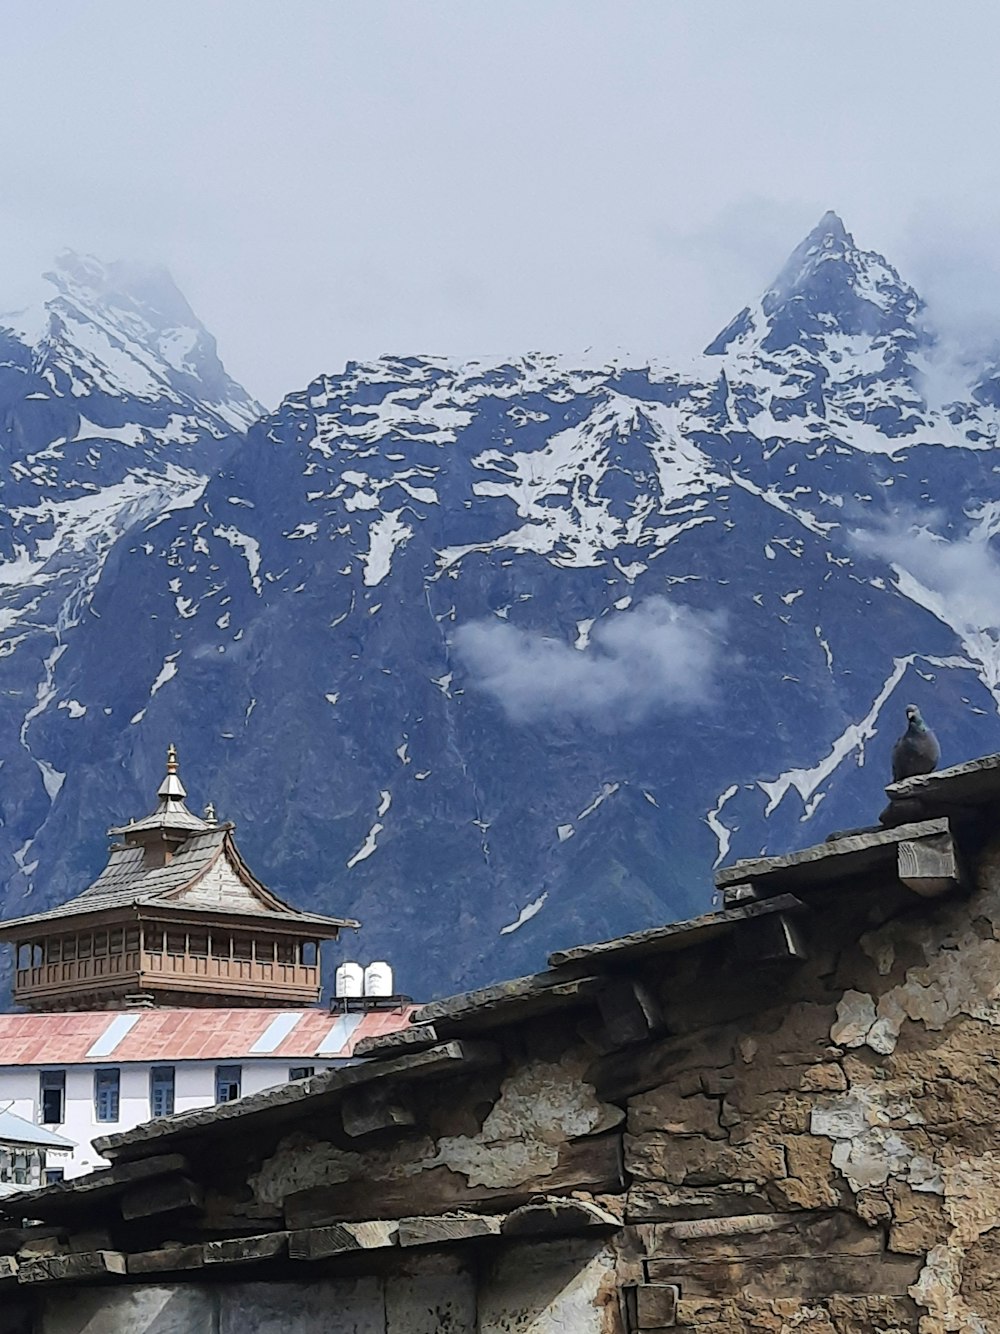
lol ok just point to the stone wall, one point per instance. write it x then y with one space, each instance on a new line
804 1142
823 1154
551 1288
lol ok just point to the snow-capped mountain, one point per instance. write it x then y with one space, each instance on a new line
499 657
114 409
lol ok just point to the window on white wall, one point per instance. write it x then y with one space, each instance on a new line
227 1082
52 1097
161 1090
301 1071
107 1086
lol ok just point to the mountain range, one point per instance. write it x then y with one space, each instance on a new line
496 656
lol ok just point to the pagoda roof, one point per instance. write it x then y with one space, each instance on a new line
175 816
173 888
205 877
171 814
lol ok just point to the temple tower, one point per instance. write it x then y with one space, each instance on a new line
175 918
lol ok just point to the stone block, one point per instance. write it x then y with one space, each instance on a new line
649 1201
803 1278
664 1109
860 1315
37 1246
160 1309
430 1300
703 1313
918 1221
826 1078
350 1306
716 1083
773 1114
67 1268
810 1180
698 1161
656 1305
749 1236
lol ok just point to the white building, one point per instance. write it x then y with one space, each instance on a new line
78 1076
30 1155
175 981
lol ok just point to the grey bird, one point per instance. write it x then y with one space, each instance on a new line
917 750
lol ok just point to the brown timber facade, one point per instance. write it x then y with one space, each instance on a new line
175 964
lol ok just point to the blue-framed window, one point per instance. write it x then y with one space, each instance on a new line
107 1091
161 1090
228 1079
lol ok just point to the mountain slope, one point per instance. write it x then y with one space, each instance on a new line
499 657
114 408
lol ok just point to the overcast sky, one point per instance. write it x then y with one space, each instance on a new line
329 180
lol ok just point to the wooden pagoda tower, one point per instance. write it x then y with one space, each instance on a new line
175 918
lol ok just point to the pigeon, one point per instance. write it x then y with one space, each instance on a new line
917 750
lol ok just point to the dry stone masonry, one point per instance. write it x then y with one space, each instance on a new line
780 1118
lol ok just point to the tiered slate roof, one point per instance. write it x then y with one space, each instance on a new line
132 879
176 916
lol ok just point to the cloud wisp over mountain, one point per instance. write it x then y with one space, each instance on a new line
963 571
658 658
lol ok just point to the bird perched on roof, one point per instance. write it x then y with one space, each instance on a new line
917 750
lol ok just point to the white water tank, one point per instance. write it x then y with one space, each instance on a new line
378 979
349 980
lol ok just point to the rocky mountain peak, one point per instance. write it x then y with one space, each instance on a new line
515 649
145 294
829 287
122 331
836 340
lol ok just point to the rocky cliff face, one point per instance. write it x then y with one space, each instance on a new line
114 409
499 657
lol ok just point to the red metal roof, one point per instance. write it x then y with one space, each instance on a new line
120 1036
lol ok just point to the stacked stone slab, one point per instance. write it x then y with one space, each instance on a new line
779 1117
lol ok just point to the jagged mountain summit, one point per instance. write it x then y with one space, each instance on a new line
112 399
123 332
499 657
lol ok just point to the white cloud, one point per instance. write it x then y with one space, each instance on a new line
465 178
963 570
654 659
950 257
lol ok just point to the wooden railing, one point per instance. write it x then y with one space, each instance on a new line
163 971
209 967
98 968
